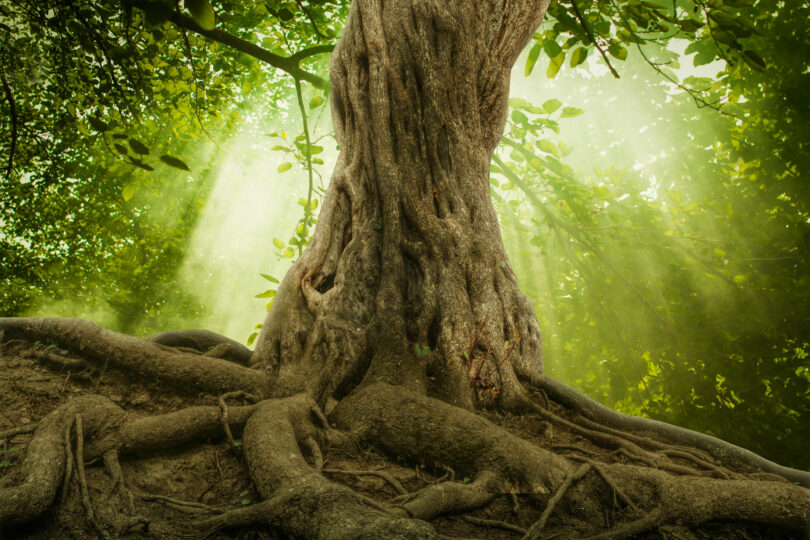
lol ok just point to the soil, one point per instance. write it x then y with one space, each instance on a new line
212 477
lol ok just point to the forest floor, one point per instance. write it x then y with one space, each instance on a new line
171 489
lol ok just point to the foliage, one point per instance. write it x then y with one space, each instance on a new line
679 289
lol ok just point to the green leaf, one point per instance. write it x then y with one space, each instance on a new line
285 14
98 124
269 293
570 112
602 192
753 60
288 253
420 351
555 65
316 102
121 148
519 103
138 147
547 146
531 60
617 51
278 243
251 338
286 166
268 277
552 48
141 165
202 13
578 56
675 195
128 192
519 118
157 12
172 161
552 105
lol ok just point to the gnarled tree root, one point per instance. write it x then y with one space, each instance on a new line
729 453
206 342
28 491
298 499
150 358
416 427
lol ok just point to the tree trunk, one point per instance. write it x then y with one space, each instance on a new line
407 268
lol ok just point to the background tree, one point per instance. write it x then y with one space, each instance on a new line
403 316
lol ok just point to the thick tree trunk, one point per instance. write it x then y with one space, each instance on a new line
407 254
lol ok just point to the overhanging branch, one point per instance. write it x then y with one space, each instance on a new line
288 64
13 119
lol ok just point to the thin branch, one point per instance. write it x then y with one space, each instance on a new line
308 211
311 20
288 64
582 22
14 120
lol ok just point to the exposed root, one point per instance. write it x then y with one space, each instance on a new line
725 451
630 530
206 342
380 474
534 531
44 466
450 497
298 499
615 489
494 523
417 427
224 408
68 460
624 444
141 356
88 505
315 453
186 506
13 432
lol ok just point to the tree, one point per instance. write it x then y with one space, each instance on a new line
401 327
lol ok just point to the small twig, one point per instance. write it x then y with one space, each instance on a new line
88 506
68 461
587 29
311 20
14 120
315 452
632 529
19 430
113 467
380 474
180 503
224 408
534 531
494 523
618 492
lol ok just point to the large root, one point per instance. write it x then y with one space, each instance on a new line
148 358
287 441
28 491
299 500
595 411
416 427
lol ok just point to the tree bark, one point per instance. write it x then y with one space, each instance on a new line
407 255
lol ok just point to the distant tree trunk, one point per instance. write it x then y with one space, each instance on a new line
407 255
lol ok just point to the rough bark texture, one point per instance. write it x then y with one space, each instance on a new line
399 347
407 250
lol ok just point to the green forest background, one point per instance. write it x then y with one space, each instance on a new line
154 176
